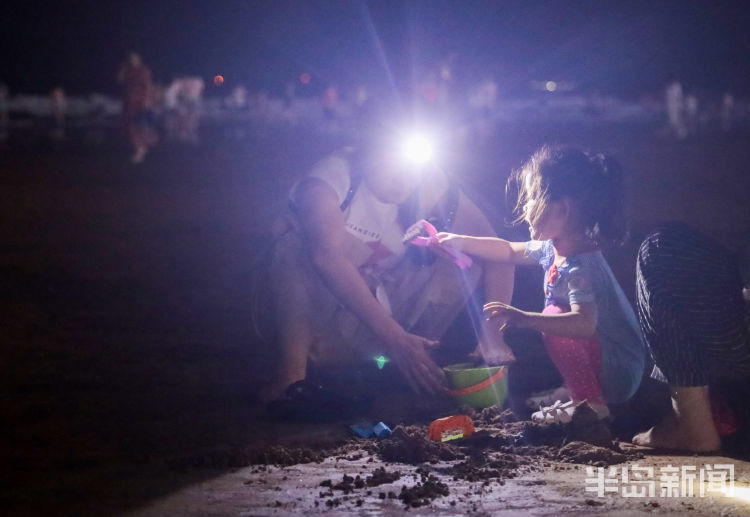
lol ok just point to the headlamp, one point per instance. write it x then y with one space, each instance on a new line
416 149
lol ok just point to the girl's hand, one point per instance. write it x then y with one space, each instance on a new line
502 314
452 240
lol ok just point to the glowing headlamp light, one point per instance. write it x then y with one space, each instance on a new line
417 149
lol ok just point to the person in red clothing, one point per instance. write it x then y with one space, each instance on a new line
135 78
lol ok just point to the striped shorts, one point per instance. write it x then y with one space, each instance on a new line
691 309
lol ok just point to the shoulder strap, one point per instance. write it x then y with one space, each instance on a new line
445 211
356 179
441 217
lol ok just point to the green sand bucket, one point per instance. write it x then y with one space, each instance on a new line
478 387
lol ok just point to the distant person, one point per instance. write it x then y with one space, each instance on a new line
484 105
345 287
726 114
237 100
97 119
290 93
446 71
171 106
190 102
59 110
573 204
137 115
4 119
690 304
182 100
675 102
361 94
429 89
329 102
692 105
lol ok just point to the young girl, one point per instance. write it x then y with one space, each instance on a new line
572 202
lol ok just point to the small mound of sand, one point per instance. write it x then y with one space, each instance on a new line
488 439
380 476
586 453
421 494
585 426
280 455
241 457
410 445
486 466
493 416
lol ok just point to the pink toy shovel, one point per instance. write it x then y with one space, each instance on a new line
412 236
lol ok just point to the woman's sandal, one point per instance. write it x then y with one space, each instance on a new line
310 401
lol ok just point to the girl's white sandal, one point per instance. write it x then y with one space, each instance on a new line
558 413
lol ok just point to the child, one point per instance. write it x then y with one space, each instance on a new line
572 202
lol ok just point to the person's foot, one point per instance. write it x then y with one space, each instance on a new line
670 435
274 390
689 428
665 435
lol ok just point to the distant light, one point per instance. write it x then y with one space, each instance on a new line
304 78
380 361
551 86
417 149
218 80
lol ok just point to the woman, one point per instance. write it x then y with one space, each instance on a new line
344 283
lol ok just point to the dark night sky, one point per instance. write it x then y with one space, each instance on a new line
627 47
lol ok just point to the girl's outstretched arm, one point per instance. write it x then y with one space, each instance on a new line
580 322
488 248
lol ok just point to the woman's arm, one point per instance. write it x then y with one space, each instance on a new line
324 228
323 225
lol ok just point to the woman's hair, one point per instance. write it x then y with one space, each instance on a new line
375 121
592 182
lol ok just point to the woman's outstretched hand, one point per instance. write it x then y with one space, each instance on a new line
420 371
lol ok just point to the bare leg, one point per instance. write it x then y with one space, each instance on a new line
497 280
690 427
140 153
291 285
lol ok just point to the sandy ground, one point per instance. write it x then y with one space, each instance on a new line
543 491
126 336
